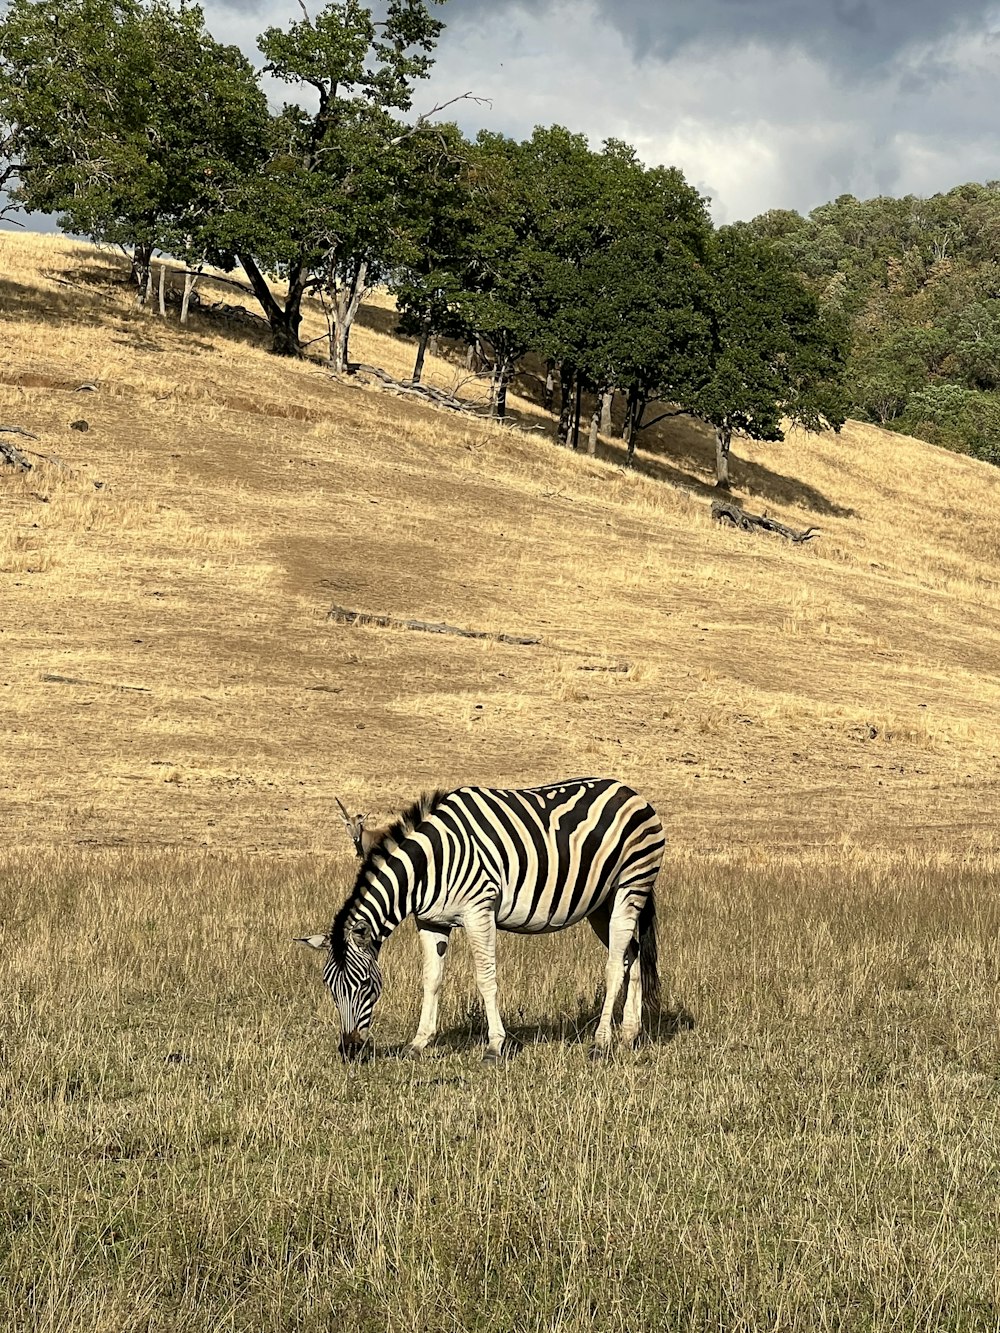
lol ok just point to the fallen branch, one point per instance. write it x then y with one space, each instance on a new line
439 397
726 511
11 455
341 615
95 684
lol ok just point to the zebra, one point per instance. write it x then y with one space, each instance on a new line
529 860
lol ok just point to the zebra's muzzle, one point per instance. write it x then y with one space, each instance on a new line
354 1044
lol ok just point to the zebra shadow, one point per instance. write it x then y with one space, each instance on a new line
569 1028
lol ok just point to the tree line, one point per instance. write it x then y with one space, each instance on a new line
917 282
128 120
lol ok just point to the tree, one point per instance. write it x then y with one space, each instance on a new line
646 329
429 284
307 215
957 418
8 151
131 122
774 355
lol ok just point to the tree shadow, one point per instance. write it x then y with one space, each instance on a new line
678 449
141 328
681 450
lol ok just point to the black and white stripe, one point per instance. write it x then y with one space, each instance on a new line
486 859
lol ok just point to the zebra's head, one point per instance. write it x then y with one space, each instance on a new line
355 980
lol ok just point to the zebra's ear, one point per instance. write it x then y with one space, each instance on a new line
314 941
363 935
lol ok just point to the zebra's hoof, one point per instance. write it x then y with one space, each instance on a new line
600 1053
509 1048
413 1053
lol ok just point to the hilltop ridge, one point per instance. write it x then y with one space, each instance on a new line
168 675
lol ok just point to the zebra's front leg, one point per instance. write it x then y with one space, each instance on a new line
482 932
434 944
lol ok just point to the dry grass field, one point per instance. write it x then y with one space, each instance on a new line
181 1148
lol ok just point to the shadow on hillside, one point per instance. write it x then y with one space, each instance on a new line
569 1030
683 453
93 294
379 320
680 450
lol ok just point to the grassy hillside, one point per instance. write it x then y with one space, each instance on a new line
846 690
181 1149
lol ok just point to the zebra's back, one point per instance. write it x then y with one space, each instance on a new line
557 852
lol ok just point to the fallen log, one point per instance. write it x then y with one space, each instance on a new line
439 397
342 615
14 456
18 457
52 679
727 511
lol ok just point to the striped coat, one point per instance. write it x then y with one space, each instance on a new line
485 859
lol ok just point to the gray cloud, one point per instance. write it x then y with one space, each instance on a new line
850 37
761 103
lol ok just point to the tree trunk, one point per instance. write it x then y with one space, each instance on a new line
142 256
630 402
284 322
637 410
550 384
346 302
576 413
607 398
163 290
502 377
189 281
565 424
723 438
595 425
418 365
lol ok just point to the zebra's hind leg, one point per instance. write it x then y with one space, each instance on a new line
632 1013
434 944
621 938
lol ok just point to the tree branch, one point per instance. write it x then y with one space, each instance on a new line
420 125
680 412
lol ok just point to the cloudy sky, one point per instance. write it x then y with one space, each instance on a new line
761 103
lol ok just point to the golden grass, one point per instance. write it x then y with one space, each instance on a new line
183 1149
179 1148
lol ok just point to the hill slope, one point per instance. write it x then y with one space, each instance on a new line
845 690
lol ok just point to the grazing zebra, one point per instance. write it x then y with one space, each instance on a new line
529 861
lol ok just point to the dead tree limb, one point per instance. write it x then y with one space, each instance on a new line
341 615
8 453
439 397
726 511
52 679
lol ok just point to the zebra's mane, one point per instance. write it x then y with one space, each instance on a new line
410 819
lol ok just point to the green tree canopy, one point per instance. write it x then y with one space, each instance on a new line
323 202
132 123
775 356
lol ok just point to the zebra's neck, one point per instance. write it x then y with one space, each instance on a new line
382 898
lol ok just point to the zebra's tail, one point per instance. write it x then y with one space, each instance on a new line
648 969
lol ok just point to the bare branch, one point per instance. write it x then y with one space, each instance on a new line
420 125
